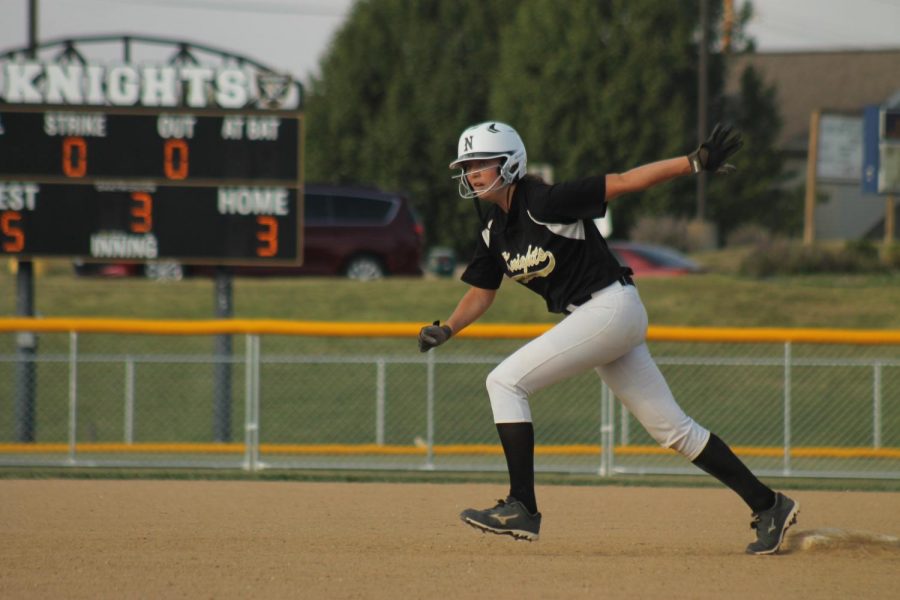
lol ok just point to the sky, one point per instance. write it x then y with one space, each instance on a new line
292 35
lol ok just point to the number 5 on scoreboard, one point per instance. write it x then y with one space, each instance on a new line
268 236
13 236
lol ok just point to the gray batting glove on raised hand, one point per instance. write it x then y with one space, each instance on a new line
712 154
432 336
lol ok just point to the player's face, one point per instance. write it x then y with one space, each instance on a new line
483 175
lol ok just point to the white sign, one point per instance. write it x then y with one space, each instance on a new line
840 151
194 86
889 169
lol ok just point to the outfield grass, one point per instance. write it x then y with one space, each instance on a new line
442 477
333 402
309 403
714 299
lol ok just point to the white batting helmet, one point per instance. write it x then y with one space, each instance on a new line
487 140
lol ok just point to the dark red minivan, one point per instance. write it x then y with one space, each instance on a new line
356 231
360 232
349 230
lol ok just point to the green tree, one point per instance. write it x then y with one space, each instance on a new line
600 87
401 80
593 86
756 192
614 87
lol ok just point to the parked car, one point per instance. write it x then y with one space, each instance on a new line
355 231
651 260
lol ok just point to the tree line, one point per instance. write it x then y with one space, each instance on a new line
593 86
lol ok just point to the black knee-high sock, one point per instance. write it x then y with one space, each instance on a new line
518 446
718 460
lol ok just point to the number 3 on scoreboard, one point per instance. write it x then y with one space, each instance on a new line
268 236
142 212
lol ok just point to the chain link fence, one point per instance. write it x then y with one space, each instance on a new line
320 397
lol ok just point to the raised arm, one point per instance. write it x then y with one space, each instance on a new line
709 156
645 176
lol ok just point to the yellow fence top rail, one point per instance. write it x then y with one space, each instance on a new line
481 331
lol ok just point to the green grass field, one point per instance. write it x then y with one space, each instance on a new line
714 299
307 403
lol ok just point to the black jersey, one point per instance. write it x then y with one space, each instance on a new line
548 242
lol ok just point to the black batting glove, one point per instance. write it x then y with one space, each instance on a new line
712 154
432 336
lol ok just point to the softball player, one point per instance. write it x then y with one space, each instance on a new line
543 236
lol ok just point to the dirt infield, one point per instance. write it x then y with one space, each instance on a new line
233 539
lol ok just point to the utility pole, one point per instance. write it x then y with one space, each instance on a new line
889 224
812 160
727 24
702 101
32 26
26 341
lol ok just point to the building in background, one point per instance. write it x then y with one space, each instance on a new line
839 84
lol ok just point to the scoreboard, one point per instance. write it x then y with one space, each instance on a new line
120 185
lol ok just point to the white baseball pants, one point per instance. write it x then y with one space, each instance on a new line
605 333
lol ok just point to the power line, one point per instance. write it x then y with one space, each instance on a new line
799 25
825 28
894 4
242 6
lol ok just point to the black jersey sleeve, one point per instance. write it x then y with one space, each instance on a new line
484 271
577 199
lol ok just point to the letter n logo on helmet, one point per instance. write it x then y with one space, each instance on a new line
468 143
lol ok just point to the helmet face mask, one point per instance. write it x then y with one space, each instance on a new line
485 141
465 188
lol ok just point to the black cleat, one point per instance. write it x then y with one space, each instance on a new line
771 525
508 517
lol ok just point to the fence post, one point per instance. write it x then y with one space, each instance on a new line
429 412
611 435
25 374
73 394
379 401
624 424
787 409
251 403
606 431
223 352
129 399
876 407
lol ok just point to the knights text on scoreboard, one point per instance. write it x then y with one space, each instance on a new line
218 187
